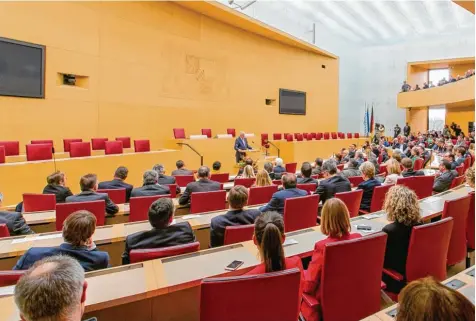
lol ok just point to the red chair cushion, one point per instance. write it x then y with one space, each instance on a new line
39 202
220 178
231 131
300 212
82 149
261 194
117 196
37 152
126 141
246 182
139 207
141 255
113 147
97 208
179 133
12 148
207 201
237 234
98 143
141 145
2 155
67 142
207 131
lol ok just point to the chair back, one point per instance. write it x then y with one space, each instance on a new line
220 178
8 278
173 189
423 186
37 152
183 180
349 135
207 201
99 143
378 197
326 136
351 200
43 141
291 167
39 202
470 223
318 136
300 212
4 232
2 155
139 207
246 182
207 132
277 136
383 169
467 163
460 169
365 285
261 194
356 135
334 135
289 137
418 164
277 182
252 297
12 148
117 196
126 141
68 141
239 233
142 255
231 131
380 158
264 139
113 147
79 149
179 133
299 137
428 250
97 208
141 145
340 167
457 209
309 188
457 181
355 180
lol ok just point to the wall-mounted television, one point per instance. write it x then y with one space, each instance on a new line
292 102
22 69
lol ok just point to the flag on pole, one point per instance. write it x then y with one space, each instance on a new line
372 120
365 121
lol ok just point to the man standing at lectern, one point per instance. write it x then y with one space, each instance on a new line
241 145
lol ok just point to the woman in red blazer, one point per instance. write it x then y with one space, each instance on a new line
335 224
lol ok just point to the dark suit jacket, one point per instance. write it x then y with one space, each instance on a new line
412 173
202 185
182 172
15 222
368 188
406 130
117 184
277 200
89 196
177 234
443 182
150 190
279 169
306 180
61 192
335 184
90 260
231 218
240 145
166 180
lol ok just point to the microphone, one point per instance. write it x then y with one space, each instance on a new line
54 157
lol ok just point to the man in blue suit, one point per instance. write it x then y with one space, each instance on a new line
290 191
78 230
241 145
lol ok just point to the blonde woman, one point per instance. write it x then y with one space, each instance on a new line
401 206
368 185
263 179
470 177
248 172
393 172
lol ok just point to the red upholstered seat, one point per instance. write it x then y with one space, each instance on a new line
139 207
8 278
460 169
318 136
360 290
98 143
263 297
286 135
261 194
264 140
277 136
39 202
299 137
378 198
467 163
289 137
296 135
300 212
12 148
422 185
351 200
82 149
183 180
43 141
4 232
220 178
142 255
313 135
179 133
340 167
68 141
349 135
207 201
470 223
231 131
113 147
457 209
457 181
277 182
173 189
117 196
356 135
309 136
310 188
207 132
2 155
334 135
126 141
326 136
355 180
141 145
246 182
97 208
237 234
36 152
291 167
418 164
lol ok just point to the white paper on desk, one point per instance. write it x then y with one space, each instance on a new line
7 290
173 222
23 240
430 200
49 236
290 242
371 216
189 216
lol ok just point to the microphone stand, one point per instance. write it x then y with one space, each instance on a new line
201 156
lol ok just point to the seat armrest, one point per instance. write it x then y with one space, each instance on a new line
310 300
383 286
393 274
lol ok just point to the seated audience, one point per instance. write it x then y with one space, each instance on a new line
393 172
78 230
335 224
306 172
216 167
89 186
164 179
236 215
469 176
406 87
268 167
204 184
181 170
415 154
352 169
150 186
424 154
352 150
332 182
417 87
444 177
290 191
163 232
318 164
368 185
359 157
248 162
248 172
263 179
408 168
57 185
450 158
279 168
460 141
396 155
425 85
401 206
427 299
53 289
460 155
14 221
119 182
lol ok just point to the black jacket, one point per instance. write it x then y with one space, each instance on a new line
89 196
15 222
167 180
231 218
412 173
443 182
117 184
202 185
335 184
181 172
61 192
177 234
150 190
368 188
307 180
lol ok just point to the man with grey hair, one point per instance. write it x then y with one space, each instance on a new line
352 169
150 186
164 179
359 157
279 198
204 184
332 183
52 289
241 145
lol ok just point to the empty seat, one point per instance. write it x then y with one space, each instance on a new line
8 278
457 181
356 135
207 201
220 178
422 185
141 145
334 135
42 141
39 202
313 135
141 255
300 212
309 188
277 136
261 194
457 209
264 139
113 147
378 198
139 207
237 234
291 167
299 137
67 142
126 141
309 136
183 180
460 169
207 132
12 148
2 155
318 136
37 152
4 232
179 133
231 131
246 182
117 196
418 164
326 135
355 180
81 149
97 208
98 143
351 200
349 135
470 228
289 137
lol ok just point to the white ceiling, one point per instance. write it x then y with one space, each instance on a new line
363 23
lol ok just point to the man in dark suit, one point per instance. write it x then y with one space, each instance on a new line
352 169
352 150
290 191
119 182
164 179
406 130
241 145
396 131
318 163
89 186
332 183
163 232
204 184
181 170
14 221
150 186
57 185
236 215
444 178
460 158
408 168
306 172
424 154
451 159
78 230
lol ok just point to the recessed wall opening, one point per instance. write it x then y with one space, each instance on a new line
270 102
72 80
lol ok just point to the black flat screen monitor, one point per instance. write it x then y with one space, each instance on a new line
292 102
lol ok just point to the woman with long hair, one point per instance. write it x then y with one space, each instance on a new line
248 172
263 179
393 172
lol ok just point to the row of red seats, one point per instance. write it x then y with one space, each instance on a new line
308 136
179 133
